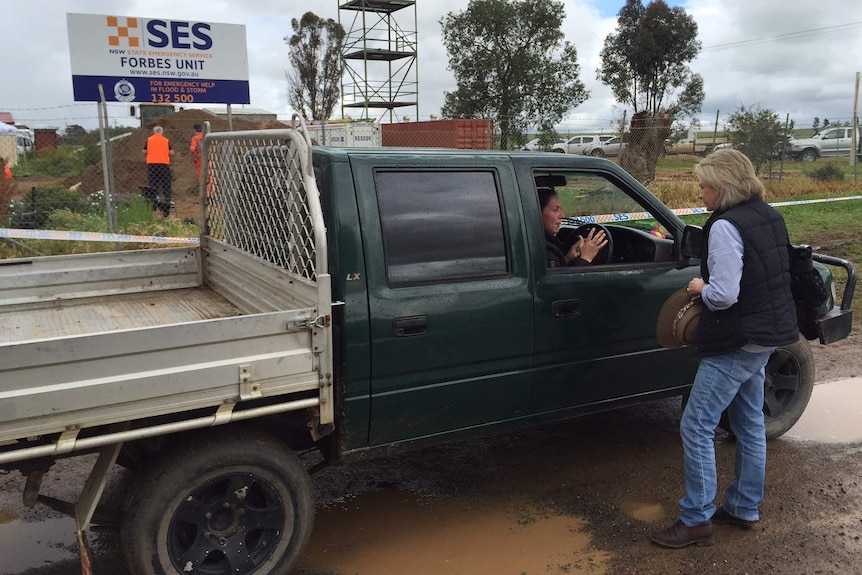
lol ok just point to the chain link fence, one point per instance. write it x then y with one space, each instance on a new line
61 185
257 199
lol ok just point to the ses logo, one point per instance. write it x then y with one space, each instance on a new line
159 34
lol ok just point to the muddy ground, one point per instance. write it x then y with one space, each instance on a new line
575 497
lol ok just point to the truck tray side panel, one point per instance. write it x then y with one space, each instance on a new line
47 385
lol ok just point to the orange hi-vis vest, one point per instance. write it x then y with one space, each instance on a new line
158 150
196 147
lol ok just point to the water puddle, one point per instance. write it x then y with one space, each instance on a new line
834 413
646 512
398 532
28 545
7 515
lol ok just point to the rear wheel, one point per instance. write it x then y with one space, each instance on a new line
233 503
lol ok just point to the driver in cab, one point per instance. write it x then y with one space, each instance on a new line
582 251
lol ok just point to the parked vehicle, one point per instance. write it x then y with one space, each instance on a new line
611 147
350 134
836 141
778 150
691 144
342 302
24 141
534 145
581 145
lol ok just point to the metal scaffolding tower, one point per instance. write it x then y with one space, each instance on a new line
380 62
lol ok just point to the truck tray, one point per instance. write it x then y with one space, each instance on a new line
111 313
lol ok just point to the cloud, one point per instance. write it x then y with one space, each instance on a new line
791 56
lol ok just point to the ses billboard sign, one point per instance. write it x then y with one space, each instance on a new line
152 60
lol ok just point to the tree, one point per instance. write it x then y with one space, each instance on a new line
758 133
511 64
74 131
314 83
816 123
825 123
645 63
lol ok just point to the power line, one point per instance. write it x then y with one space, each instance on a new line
789 35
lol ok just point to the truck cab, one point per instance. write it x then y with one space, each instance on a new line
455 324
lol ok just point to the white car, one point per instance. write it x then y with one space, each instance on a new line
611 147
588 145
835 141
535 146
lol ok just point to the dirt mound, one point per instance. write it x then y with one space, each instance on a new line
130 169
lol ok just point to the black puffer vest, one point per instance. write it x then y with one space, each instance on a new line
764 313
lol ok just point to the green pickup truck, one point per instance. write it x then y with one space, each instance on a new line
341 302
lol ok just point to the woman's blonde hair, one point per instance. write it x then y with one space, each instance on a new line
732 176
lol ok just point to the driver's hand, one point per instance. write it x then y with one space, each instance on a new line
591 245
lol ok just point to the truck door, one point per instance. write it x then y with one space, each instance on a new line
449 297
595 325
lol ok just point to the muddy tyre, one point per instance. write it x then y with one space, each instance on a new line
237 502
808 156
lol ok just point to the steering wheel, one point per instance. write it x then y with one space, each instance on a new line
605 255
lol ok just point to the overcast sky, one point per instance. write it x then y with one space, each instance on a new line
793 56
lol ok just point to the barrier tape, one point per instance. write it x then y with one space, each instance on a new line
91 237
631 216
598 219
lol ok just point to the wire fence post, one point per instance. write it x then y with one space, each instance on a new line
107 170
784 146
856 144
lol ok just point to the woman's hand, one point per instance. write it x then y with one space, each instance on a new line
695 286
591 245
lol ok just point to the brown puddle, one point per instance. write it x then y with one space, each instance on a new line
834 413
646 512
397 532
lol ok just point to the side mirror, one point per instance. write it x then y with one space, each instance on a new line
692 242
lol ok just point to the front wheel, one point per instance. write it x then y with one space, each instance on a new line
788 386
232 503
786 390
808 156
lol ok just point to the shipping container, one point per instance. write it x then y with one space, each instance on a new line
462 134
348 134
46 138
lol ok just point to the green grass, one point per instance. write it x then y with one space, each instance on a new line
64 161
135 217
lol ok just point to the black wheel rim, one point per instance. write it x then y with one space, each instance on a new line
783 378
231 524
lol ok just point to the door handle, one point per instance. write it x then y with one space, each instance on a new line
567 308
410 326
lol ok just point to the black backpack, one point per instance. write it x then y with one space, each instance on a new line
809 291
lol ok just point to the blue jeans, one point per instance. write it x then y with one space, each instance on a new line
733 381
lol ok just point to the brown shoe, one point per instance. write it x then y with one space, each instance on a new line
722 517
681 535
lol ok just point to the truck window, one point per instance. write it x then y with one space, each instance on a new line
587 195
590 198
441 226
